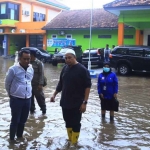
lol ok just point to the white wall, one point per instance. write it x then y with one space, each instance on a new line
26 7
52 14
145 38
39 9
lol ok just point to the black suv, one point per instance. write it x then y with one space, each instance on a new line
43 56
96 57
130 58
60 56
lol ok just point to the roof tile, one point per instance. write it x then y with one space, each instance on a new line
118 3
80 19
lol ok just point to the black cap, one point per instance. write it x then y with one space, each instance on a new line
106 63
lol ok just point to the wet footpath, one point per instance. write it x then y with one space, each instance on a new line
129 131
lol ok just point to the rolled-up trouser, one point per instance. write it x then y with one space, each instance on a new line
19 112
72 118
39 95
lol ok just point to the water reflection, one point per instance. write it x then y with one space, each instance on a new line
130 129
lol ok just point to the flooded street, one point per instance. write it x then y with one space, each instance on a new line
130 130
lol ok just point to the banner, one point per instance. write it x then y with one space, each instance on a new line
60 42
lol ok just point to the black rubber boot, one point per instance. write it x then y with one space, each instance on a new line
20 130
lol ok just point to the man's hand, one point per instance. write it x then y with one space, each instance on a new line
101 96
115 95
52 99
40 87
83 108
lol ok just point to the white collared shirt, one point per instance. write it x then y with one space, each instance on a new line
18 81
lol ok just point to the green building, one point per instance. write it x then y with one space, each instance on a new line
121 22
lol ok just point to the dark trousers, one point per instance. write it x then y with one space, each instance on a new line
72 118
19 112
39 95
106 59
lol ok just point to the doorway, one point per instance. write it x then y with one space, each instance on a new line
16 42
36 41
1 45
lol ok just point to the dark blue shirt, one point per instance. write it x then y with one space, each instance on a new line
107 85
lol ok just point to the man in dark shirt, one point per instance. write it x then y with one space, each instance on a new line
75 84
37 84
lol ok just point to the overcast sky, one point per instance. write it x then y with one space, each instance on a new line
85 4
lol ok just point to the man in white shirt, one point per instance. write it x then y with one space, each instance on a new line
19 89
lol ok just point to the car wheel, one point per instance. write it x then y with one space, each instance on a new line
54 63
43 60
123 69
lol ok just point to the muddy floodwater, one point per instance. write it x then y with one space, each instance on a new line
130 130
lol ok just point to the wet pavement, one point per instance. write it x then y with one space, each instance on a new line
130 130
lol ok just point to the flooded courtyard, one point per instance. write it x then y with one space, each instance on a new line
130 130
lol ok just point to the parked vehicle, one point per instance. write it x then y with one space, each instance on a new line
60 56
130 58
43 51
96 57
44 57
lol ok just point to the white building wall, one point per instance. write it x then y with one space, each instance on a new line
26 7
145 38
52 14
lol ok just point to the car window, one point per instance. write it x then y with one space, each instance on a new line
121 51
136 52
42 50
147 53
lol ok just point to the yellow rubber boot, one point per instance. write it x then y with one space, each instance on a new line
69 131
75 136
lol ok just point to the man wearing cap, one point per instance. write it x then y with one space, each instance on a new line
37 84
75 84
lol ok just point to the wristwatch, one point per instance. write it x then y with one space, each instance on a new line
85 102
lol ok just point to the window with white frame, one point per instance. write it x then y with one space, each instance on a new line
69 36
54 36
3 9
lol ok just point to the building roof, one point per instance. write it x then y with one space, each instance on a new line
80 19
54 3
118 3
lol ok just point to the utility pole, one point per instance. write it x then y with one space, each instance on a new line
90 41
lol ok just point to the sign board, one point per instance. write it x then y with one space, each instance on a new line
60 42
